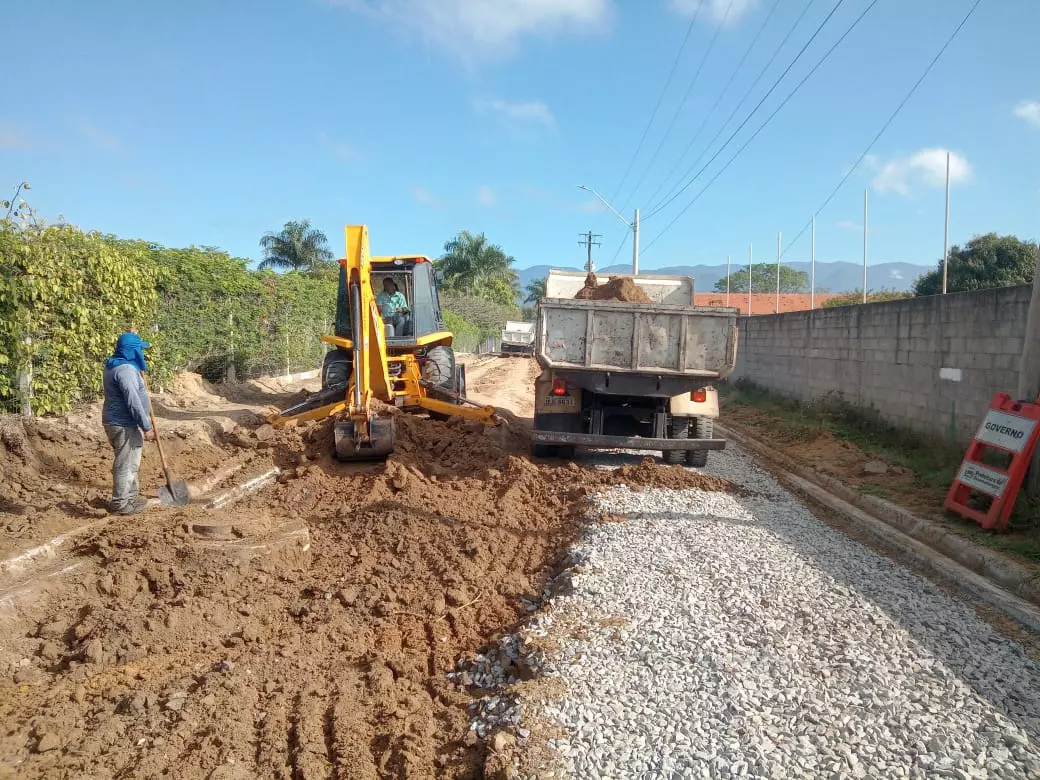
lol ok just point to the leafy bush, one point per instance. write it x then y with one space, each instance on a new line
65 296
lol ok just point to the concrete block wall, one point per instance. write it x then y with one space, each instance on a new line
887 357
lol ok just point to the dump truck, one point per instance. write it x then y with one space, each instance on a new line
517 338
624 375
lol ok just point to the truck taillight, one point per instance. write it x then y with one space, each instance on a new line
699 396
559 387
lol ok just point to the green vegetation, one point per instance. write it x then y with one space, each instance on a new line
856 296
476 268
986 261
296 247
535 290
933 463
66 295
764 280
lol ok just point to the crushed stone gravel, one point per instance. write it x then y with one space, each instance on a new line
719 635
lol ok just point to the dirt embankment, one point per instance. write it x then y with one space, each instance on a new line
314 640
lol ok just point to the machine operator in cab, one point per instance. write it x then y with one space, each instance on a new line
392 305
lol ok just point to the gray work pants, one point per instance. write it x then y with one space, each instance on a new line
127 443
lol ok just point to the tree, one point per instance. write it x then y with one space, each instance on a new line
856 296
764 279
535 290
984 262
297 247
475 267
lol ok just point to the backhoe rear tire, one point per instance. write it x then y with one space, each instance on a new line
440 371
679 428
336 368
704 428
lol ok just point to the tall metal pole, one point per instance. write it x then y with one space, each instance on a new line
635 243
727 280
750 265
1029 370
778 272
864 246
812 265
946 237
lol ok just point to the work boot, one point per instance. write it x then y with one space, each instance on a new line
134 507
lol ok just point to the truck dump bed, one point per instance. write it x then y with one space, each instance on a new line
670 337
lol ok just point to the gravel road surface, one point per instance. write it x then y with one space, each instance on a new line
721 635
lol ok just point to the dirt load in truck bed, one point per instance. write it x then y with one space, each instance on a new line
309 631
620 288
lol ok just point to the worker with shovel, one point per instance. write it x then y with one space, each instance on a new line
126 415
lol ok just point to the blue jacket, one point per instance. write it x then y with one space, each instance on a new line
126 397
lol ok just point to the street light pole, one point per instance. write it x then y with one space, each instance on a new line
633 225
946 232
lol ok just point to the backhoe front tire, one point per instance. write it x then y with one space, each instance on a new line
441 372
704 428
679 428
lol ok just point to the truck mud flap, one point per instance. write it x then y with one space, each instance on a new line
625 442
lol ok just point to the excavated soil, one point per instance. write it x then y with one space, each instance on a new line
620 288
306 631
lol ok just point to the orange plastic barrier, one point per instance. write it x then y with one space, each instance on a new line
1011 427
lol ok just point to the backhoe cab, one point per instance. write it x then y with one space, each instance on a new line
404 358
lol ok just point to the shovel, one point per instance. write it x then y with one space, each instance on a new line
175 492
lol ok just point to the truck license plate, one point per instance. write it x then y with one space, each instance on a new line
558 400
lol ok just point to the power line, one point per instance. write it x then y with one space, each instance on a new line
747 119
682 103
657 106
588 240
722 94
673 192
762 126
887 123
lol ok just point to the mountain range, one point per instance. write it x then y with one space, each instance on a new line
830 276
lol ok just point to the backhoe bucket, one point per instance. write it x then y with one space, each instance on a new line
381 440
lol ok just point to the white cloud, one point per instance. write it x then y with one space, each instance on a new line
344 152
1029 112
924 168
426 198
894 274
486 196
528 113
100 137
717 11
12 137
847 224
485 27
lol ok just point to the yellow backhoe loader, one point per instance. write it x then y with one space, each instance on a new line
405 360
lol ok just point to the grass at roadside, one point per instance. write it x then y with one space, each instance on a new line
841 442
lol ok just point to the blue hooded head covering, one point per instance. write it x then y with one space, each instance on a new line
129 349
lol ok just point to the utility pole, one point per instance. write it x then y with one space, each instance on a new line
635 243
1029 371
727 280
946 238
588 240
812 265
865 246
778 272
750 266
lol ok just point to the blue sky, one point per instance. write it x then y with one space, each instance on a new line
210 123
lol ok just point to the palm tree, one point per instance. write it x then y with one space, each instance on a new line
474 266
535 290
298 247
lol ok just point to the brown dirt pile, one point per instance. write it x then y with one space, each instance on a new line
176 658
620 288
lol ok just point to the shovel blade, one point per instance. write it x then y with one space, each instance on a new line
175 493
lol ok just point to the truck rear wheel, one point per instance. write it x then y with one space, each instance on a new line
679 428
544 450
704 429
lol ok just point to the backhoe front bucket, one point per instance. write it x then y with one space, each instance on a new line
382 436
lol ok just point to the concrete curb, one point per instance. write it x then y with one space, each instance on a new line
945 548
